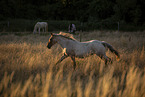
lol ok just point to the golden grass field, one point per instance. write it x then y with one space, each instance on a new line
27 67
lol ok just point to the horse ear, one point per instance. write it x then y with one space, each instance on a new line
51 33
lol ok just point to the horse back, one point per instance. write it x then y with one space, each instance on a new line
97 46
88 48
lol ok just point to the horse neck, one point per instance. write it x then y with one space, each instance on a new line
35 28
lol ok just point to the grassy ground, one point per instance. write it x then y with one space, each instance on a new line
26 67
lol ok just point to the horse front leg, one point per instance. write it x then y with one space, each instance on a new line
43 30
73 59
39 30
61 59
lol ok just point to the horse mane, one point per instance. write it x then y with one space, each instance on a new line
67 35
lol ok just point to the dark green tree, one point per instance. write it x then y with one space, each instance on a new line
100 9
128 10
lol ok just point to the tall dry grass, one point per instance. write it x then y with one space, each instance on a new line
27 68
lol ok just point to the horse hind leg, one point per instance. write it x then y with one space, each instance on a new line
106 59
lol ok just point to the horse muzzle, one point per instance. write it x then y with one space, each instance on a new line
48 46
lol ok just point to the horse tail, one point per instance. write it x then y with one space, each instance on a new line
111 49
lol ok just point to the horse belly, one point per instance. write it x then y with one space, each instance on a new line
83 53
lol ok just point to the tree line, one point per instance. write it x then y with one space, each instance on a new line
128 11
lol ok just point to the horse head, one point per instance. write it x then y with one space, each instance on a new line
52 41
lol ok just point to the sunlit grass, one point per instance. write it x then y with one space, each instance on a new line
27 68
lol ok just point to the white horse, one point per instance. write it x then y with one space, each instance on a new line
74 48
40 25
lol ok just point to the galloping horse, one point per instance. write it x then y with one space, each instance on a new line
40 25
73 48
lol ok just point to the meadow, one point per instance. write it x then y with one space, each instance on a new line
27 67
